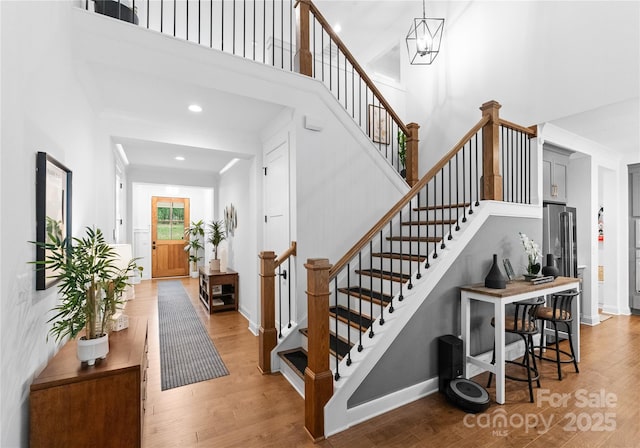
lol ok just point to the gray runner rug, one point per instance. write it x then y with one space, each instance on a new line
187 354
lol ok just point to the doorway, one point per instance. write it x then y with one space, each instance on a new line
169 219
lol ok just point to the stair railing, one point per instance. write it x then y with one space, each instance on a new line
264 31
453 188
268 333
322 55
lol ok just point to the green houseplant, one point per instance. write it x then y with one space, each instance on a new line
195 233
90 287
216 236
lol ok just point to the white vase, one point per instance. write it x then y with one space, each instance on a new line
91 349
194 274
214 265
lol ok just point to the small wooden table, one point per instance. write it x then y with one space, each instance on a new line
516 291
218 290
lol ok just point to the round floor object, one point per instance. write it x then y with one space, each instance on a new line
467 395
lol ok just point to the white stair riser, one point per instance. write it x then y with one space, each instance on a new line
372 283
343 329
393 265
357 304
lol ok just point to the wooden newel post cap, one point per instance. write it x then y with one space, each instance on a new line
493 104
317 264
267 255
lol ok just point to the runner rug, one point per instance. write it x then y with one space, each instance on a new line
187 354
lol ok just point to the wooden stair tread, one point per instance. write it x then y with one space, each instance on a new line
297 359
343 346
433 222
386 275
367 294
398 256
419 239
442 206
349 317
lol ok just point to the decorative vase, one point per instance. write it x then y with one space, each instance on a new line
214 265
550 268
495 279
91 349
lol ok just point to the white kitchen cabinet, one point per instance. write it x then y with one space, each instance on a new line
555 167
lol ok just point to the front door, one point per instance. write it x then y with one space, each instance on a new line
170 218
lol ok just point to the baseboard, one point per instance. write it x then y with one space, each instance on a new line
389 402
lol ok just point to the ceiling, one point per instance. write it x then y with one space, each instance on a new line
146 111
149 116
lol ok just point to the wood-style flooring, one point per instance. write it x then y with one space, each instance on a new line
599 407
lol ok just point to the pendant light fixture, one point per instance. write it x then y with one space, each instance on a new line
423 40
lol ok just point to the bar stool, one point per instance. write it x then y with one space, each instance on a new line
558 313
522 322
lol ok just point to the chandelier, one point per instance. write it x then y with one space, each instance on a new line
423 40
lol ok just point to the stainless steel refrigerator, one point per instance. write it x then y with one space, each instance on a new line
559 238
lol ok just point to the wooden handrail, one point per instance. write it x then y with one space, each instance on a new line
405 199
352 60
292 250
531 131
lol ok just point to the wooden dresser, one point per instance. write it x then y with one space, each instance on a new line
72 404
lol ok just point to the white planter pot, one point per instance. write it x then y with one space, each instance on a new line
91 349
194 274
214 265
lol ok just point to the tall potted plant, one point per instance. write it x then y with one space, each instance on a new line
195 233
402 153
90 287
216 236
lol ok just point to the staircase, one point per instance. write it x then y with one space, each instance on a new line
380 280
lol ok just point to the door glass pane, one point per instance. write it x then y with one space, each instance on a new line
170 224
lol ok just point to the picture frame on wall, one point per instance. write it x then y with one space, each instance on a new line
379 125
53 210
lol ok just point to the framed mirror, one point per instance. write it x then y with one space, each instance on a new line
53 209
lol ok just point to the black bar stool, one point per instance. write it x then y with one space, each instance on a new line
559 312
522 322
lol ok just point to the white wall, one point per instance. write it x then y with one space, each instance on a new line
539 59
238 187
200 207
43 109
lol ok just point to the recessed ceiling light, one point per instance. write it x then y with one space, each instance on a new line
180 158
229 165
123 156
195 108
337 28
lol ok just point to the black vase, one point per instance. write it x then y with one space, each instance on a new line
495 279
550 268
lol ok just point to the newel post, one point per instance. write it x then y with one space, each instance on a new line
492 179
412 154
318 378
303 59
268 335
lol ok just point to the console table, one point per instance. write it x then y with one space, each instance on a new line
72 404
218 290
516 291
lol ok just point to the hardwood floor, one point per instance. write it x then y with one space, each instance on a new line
600 406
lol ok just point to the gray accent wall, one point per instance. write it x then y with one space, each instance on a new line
412 357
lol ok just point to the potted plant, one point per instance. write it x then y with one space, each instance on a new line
195 232
216 236
90 287
402 153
